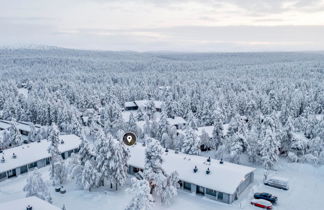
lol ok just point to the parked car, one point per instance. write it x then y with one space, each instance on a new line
266 196
277 182
261 203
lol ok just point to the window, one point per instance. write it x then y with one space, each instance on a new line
23 169
3 175
136 170
220 196
210 192
200 190
32 165
187 186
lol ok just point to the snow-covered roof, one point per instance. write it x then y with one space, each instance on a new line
32 152
144 103
34 202
208 130
224 177
4 125
176 121
129 104
171 121
24 126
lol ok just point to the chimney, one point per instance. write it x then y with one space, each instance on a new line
29 207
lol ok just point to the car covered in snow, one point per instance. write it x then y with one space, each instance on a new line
266 196
277 182
262 203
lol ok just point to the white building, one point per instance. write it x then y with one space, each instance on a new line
22 204
141 104
21 159
24 127
225 182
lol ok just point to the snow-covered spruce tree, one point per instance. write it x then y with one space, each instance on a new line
192 121
74 168
191 143
170 186
118 166
89 177
270 149
57 169
131 125
104 153
218 134
142 199
32 135
153 171
85 152
36 186
15 135
163 125
235 146
150 109
166 140
205 140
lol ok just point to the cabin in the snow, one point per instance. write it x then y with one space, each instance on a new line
29 203
21 159
214 179
24 127
142 104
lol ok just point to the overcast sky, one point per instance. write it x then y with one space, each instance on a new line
168 25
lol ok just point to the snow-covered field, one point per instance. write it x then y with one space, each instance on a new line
305 193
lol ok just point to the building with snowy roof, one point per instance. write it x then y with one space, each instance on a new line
24 127
21 159
141 104
29 203
217 180
178 122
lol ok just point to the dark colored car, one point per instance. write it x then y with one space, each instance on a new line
266 196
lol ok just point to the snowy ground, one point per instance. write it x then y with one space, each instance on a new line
305 193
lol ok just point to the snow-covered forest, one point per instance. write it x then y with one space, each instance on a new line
271 104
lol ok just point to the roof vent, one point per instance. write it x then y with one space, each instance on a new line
208 160
166 150
14 156
29 207
176 151
62 142
3 159
221 161
207 171
143 144
195 169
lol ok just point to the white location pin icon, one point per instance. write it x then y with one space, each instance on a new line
129 139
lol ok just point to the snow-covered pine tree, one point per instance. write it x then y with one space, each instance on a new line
206 141
36 186
192 121
169 191
163 125
142 199
191 143
218 137
118 166
89 177
270 149
153 171
57 169
104 153
15 135
131 125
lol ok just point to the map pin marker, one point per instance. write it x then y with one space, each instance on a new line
129 139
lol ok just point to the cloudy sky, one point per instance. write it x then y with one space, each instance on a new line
165 25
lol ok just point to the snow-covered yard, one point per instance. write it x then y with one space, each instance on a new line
306 191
